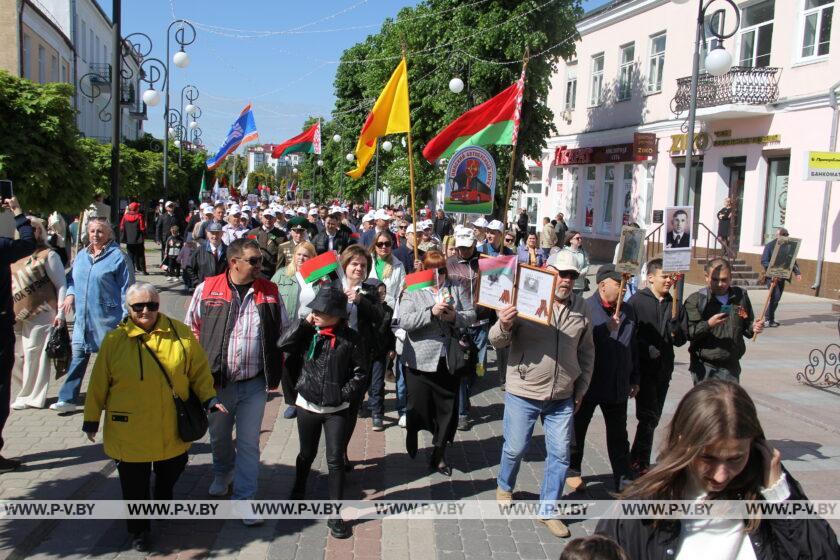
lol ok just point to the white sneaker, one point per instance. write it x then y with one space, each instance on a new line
62 406
221 485
401 422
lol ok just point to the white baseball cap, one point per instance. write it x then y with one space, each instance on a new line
269 212
495 225
563 261
235 209
313 211
480 223
369 217
464 237
169 203
382 215
301 210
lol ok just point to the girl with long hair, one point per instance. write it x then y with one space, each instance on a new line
716 449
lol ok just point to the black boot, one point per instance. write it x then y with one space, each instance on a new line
301 474
339 529
438 461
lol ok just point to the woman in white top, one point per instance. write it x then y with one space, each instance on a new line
574 245
38 284
716 450
386 267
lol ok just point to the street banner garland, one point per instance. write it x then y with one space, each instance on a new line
242 131
389 116
493 123
307 142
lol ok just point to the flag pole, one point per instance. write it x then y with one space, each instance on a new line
512 167
411 167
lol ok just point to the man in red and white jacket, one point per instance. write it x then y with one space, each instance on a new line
238 317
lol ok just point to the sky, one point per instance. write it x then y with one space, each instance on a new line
279 55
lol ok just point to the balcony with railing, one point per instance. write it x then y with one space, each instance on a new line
101 73
743 91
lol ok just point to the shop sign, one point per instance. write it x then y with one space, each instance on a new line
600 154
770 139
822 166
680 141
644 144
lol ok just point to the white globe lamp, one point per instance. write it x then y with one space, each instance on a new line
177 143
190 109
680 1
387 146
456 85
193 125
151 97
718 61
349 157
171 132
181 59
294 170
337 138
320 163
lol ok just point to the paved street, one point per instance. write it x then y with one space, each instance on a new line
60 464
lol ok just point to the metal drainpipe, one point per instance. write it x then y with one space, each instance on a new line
73 36
832 143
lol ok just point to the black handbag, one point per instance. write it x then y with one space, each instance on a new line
192 418
58 349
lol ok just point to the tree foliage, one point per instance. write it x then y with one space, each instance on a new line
39 148
443 39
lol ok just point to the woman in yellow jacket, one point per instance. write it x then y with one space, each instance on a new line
141 431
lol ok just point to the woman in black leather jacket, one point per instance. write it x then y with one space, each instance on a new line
716 450
334 373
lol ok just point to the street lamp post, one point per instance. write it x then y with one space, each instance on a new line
718 63
116 124
190 92
181 60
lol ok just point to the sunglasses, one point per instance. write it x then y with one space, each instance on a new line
140 306
383 244
508 239
253 261
567 274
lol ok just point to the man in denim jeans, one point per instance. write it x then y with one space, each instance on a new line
238 317
547 376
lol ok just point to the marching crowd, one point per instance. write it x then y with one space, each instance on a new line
255 324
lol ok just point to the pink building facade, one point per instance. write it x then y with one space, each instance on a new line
621 108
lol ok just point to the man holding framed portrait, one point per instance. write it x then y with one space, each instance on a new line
779 262
547 381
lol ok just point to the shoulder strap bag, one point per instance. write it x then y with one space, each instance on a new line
192 418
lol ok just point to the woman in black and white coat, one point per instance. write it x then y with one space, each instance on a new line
433 355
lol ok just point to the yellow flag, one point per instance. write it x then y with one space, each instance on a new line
388 116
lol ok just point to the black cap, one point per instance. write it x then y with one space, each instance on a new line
330 301
607 271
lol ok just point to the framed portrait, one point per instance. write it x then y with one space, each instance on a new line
496 276
631 250
783 258
535 293
676 254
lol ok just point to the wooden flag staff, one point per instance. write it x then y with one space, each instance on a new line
773 283
411 164
512 167
621 288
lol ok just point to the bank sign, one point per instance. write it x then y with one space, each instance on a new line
822 166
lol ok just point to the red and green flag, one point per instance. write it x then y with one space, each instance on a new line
308 142
318 267
493 123
498 266
419 280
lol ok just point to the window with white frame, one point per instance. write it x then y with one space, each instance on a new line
27 48
596 90
571 196
656 65
571 90
83 36
650 170
625 72
816 33
42 65
53 68
756 34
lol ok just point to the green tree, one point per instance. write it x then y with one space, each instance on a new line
40 150
445 38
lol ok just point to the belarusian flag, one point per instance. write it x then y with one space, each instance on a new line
419 280
318 267
203 188
494 122
308 142
495 266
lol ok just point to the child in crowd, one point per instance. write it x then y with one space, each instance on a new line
594 547
334 373
174 244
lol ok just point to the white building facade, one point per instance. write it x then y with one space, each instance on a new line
621 106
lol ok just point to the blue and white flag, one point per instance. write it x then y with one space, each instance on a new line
241 132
